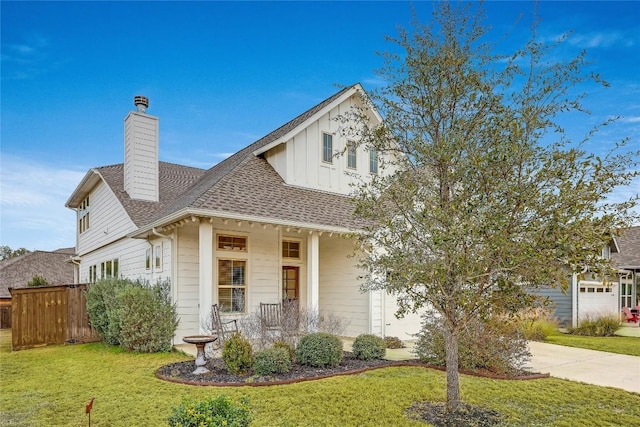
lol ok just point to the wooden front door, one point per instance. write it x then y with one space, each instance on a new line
290 283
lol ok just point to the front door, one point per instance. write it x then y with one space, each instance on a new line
290 283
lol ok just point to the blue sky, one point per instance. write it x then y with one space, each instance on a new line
220 75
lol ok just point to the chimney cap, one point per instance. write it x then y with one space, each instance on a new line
141 102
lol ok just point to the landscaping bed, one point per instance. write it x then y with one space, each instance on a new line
181 372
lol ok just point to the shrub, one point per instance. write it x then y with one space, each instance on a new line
212 411
37 281
494 345
134 315
369 347
602 326
103 309
284 345
537 324
149 318
393 342
237 354
320 350
274 360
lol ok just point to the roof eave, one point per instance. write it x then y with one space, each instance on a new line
91 178
349 93
143 232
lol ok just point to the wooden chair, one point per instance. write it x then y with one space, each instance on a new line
271 316
224 330
631 317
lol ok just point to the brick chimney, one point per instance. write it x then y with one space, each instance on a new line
141 153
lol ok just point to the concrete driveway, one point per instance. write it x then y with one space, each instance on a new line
588 366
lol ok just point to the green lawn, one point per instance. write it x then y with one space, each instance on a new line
49 386
617 344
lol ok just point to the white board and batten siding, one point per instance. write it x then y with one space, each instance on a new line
299 160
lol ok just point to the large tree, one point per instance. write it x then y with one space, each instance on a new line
481 195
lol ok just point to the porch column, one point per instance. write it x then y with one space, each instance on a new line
313 272
205 261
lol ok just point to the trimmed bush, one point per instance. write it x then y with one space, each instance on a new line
274 360
284 345
369 347
393 342
237 354
603 326
212 411
135 315
320 350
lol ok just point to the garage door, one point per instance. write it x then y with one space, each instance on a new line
596 299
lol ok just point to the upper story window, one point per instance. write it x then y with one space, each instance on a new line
373 160
351 156
232 243
290 249
83 216
327 148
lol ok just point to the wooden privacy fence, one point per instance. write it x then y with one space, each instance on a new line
49 315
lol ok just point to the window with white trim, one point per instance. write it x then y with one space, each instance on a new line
147 259
93 273
232 285
352 159
157 266
290 249
83 216
327 148
232 243
373 160
109 269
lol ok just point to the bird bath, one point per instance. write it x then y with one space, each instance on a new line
200 341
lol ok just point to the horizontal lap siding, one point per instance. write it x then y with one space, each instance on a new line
340 287
561 302
188 283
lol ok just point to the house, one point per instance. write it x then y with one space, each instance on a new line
55 267
589 296
268 223
627 259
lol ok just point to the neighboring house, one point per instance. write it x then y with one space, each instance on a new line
55 267
268 223
590 296
627 259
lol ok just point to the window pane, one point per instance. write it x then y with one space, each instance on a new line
232 243
373 161
351 156
224 273
327 148
224 300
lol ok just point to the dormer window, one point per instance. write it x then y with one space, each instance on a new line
83 216
327 148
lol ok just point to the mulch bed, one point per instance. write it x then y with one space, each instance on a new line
181 372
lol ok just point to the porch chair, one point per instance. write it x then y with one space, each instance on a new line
631 317
271 316
224 330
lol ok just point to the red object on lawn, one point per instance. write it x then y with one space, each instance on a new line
631 317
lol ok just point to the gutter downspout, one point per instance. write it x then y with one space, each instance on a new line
76 271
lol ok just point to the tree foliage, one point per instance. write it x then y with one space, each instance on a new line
7 253
481 195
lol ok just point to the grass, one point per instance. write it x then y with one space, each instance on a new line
615 344
49 386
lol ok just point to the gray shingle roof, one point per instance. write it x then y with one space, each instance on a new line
53 266
173 181
243 184
629 244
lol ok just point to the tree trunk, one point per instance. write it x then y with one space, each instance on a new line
453 378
